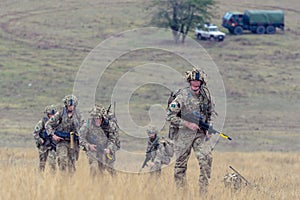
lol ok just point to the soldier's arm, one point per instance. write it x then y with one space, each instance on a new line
173 111
37 130
83 132
211 106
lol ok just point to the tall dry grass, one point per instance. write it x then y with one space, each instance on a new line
276 175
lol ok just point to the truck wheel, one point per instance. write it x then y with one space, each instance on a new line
238 30
199 36
270 29
260 30
220 38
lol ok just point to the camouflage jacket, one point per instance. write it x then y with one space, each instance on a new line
160 147
61 122
104 135
187 102
39 128
161 151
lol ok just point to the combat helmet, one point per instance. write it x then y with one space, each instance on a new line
196 75
50 110
70 100
151 130
97 111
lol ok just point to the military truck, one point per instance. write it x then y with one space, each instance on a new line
255 21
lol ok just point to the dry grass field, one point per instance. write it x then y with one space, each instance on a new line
276 176
42 45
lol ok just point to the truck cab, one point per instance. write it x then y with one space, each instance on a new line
233 21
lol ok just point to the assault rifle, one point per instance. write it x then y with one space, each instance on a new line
48 142
99 148
196 117
153 147
67 135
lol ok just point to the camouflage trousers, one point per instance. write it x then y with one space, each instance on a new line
45 153
159 160
184 143
99 163
66 156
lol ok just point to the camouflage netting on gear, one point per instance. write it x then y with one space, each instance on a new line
50 110
70 100
196 75
97 111
233 180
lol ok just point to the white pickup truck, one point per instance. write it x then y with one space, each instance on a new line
209 31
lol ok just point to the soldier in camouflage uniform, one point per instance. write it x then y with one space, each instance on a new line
111 125
43 143
97 137
61 126
195 98
159 151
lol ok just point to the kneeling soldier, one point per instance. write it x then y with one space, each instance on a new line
159 151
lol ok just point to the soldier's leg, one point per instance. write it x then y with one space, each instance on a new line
182 151
156 168
62 155
72 155
203 153
43 153
52 159
110 166
93 162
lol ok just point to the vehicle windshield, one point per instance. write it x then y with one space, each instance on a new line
227 16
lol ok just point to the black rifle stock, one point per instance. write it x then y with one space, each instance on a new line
197 118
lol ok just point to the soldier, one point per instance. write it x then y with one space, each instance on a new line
194 99
111 125
97 137
44 143
159 151
63 127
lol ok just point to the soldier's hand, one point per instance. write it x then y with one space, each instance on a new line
107 151
92 147
207 134
57 138
41 141
191 126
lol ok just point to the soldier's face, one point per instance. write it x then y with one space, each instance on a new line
195 86
152 135
98 121
71 108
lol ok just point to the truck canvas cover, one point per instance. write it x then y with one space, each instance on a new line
264 16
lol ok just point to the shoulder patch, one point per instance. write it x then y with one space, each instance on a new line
37 128
174 106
